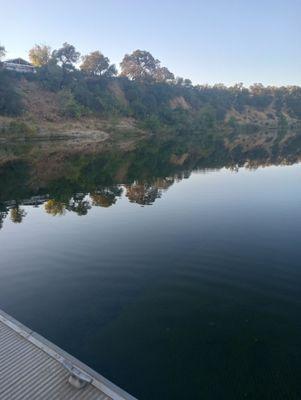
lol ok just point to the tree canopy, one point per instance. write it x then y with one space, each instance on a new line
2 52
96 64
40 55
141 65
66 56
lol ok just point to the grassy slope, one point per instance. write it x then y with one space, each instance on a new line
43 118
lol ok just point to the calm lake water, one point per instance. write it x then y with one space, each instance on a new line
183 289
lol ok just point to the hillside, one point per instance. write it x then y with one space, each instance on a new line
86 110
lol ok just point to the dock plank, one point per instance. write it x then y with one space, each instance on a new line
33 368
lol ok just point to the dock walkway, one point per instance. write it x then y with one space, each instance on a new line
32 368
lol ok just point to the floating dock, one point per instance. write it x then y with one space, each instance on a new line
32 368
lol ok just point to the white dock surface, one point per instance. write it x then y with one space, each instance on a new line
32 368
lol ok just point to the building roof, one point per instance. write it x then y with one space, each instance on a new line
19 61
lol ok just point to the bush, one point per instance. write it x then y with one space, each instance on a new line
19 128
10 99
69 106
51 76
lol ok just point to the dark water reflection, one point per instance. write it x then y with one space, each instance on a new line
173 274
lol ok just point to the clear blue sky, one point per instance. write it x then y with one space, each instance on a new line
207 41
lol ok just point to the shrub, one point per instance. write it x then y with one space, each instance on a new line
69 106
10 99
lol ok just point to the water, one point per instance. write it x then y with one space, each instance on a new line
185 287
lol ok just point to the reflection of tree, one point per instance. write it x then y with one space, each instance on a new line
55 207
105 197
76 204
164 183
139 192
234 167
79 206
3 214
2 217
142 193
17 214
146 193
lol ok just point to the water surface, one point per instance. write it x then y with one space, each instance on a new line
183 286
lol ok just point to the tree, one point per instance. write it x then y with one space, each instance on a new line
179 81
80 207
64 59
142 193
66 56
2 52
40 55
141 65
3 214
163 75
183 82
55 207
111 71
17 214
96 64
187 82
69 107
51 75
10 98
106 197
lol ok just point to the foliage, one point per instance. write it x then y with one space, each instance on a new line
10 99
19 128
2 52
96 64
66 56
141 65
17 214
55 207
40 55
69 106
149 93
151 168
51 76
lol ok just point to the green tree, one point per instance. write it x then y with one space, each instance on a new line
80 207
111 71
10 97
51 76
66 56
40 55
179 81
68 105
187 82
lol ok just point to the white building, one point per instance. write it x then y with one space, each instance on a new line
19 65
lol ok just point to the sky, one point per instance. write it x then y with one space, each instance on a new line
214 41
